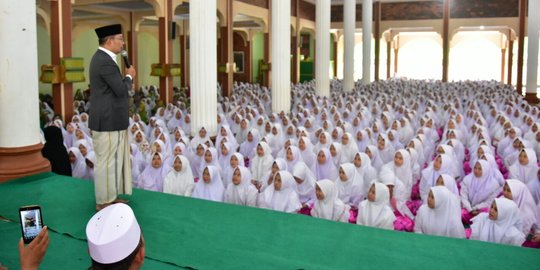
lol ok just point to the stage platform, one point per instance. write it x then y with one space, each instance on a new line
196 234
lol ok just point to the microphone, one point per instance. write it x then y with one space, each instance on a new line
126 60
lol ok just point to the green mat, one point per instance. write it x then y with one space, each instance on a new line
206 235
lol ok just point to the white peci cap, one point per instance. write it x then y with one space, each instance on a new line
113 234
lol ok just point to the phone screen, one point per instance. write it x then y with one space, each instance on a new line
31 222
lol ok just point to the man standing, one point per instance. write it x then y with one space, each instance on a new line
109 117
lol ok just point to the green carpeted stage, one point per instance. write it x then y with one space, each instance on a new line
189 233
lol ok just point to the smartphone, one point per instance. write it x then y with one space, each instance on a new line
31 222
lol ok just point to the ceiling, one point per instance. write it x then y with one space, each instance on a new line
95 10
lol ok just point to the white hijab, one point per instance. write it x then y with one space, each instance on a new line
78 169
450 184
308 156
330 207
180 182
244 193
377 213
296 157
249 149
152 178
480 188
430 174
306 189
366 172
444 219
261 165
350 191
285 199
505 230
349 149
404 172
328 169
212 191
528 172
524 200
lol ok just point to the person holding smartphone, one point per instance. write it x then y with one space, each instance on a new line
115 241
34 235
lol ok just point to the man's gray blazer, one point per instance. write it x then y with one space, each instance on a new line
109 106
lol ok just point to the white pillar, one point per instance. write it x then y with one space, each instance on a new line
349 28
281 55
20 142
367 18
19 107
203 69
322 46
533 26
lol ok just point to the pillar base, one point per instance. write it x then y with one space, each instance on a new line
16 162
532 98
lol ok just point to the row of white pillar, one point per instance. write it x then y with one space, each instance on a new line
203 39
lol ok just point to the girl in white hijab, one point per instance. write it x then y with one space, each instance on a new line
179 180
241 191
362 139
261 163
293 157
401 166
386 149
441 165
419 147
306 150
336 152
278 165
441 215
152 176
198 159
374 211
226 151
201 138
393 137
349 185
526 168
78 164
398 197
349 148
138 163
281 196
225 132
209 187
478 190
210 159
328 205
325 168
236 160
324 141
305 184
518 192
450 183
364 170
249 147
373 154
502 225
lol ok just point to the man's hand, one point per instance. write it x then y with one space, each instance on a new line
31 255
131 72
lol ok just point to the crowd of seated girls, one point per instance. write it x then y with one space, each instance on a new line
448 159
